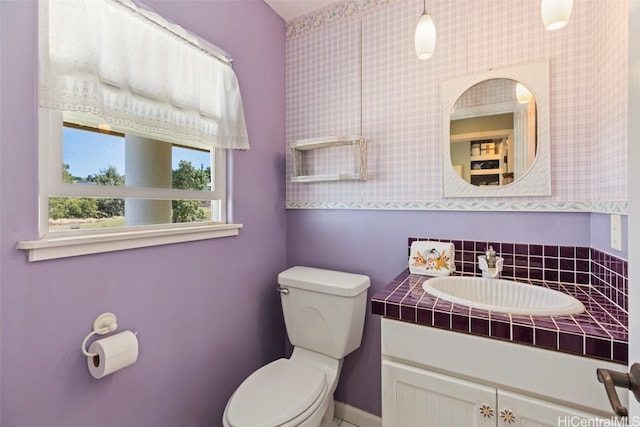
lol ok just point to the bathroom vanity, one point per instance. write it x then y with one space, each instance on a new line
451 365
435 377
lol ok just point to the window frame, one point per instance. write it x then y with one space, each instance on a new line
65 243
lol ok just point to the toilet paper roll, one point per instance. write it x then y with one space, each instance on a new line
112 353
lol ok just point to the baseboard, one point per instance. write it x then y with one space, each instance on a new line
356 416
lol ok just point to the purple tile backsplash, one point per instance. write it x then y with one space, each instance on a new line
566 264
597 279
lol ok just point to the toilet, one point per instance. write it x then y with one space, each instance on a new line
324 313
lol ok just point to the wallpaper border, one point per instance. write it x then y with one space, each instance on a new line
329 14
595 207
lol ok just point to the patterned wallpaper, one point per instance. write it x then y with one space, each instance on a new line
610 137
351 69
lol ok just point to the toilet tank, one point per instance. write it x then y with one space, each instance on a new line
324 310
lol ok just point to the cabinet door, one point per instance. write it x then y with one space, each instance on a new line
517 410
413 397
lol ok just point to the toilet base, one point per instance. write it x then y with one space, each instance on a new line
332 368
328 418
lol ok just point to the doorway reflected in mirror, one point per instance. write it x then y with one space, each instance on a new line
493 132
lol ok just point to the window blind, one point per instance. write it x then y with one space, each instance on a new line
136 70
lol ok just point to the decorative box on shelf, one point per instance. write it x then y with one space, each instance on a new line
300 147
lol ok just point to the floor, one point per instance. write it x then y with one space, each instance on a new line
341 423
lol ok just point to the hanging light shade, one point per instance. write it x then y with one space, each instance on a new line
556 13
522 94
425 38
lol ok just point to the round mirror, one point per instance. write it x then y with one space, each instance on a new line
507 139
493 133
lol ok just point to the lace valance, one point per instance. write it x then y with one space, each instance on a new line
137 71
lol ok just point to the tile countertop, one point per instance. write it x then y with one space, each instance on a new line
600 332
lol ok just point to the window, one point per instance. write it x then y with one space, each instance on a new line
95 156
104 190
136 115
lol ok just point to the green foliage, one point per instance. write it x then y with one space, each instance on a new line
108 176
187 177
108 208
72 207
187 211
84 207
66 175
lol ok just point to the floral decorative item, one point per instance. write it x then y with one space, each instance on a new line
507 416
486 411
432 258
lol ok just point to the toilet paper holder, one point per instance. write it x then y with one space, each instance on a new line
104 323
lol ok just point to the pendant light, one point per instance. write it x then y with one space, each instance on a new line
425 38
556 13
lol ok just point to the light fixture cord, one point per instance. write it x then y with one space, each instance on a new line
424 8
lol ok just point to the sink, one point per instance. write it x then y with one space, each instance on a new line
503 296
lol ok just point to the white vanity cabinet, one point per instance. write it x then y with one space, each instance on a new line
531 412
437 378
418 397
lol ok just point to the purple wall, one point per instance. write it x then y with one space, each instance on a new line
206 312
375 243
601 234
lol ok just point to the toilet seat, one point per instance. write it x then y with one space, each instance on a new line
275 394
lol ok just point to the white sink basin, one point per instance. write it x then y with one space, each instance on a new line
503 296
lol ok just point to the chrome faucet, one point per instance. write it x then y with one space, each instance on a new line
490 264
491 257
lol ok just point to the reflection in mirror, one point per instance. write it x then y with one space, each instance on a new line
493 132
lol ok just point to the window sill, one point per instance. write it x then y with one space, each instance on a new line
68 246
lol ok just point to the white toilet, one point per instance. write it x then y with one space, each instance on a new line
324 314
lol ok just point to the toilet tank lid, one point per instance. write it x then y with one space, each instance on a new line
324 281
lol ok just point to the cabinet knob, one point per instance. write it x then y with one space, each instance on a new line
507 416
486 411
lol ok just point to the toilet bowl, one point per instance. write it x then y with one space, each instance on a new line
324 316
286 392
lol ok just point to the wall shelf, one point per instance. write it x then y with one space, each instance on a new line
300 147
